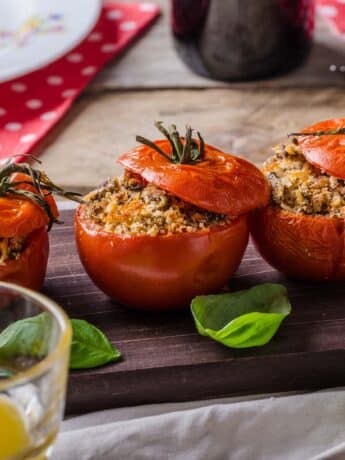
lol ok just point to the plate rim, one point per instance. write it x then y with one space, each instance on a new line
57 55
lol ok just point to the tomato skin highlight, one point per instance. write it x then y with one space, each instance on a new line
301 246
30 268
160 272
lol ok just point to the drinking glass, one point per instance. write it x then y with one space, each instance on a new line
35 336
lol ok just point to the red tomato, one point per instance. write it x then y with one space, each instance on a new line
20 216
161 272
221 183
166 271
325 152
49 198
301 246
30 268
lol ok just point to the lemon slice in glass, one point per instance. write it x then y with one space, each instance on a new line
14 438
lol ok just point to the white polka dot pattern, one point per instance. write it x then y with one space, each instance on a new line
95 37
13 126
28 138
54 80
74 57
108 48
90 70
147 7
32 104
128 25
19 87
115 15
68 93
47 116
329 11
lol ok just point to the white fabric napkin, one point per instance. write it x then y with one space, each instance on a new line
307 427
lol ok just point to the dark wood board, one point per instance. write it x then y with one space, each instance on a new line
165 360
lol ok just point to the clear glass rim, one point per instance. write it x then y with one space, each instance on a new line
61 347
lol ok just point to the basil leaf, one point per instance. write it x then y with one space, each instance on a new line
26 337
30 337
242 319
90 347
5 373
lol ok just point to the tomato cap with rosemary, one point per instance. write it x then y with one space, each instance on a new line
323 145
198 173
27 212
26 201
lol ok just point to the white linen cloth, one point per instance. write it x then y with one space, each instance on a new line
299 427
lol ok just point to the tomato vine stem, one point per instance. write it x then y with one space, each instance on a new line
331 132
184 150
41 183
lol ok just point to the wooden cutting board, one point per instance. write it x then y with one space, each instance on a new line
165 360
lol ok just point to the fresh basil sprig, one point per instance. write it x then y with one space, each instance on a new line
90 347
5 373
26 337
29 337
242 319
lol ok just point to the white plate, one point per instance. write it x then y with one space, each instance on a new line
34 33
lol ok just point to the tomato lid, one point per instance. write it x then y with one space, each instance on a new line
326 148
26 200
219 182
20 217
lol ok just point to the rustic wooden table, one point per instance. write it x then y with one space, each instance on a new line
149 82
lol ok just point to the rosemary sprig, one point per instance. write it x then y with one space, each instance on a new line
39 180
331 132
184 150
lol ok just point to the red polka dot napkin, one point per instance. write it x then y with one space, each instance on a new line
334 12
31 105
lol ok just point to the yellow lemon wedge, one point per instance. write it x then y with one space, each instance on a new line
14 438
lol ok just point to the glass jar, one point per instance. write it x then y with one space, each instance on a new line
242 39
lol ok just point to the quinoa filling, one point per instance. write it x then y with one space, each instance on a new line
11 248
298 186
130 206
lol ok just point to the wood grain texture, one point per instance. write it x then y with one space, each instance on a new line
84 147
245 119
164 359
152 62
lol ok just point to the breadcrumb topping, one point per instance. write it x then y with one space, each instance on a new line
11 248
300 187
130 206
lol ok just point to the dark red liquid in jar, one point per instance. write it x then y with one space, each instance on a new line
242 39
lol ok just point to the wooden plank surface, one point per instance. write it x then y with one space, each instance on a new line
164 359
153 63
245 119
82 151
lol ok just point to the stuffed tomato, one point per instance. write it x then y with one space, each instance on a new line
301 232
173 227
27 211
